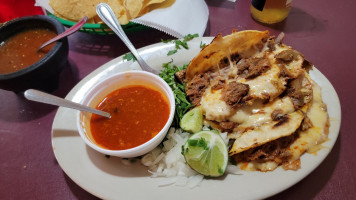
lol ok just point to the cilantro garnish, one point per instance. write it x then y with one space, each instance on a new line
172 52
166 41
180 43
220 170
129 56
182 103
199 143
184 150
202 45
190 37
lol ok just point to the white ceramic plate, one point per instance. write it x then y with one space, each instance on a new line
108 178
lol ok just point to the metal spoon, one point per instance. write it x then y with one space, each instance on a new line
35 95
66 33
107 15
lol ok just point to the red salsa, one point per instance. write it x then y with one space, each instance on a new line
20 50
138 113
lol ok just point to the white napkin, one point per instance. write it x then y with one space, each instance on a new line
182 18
44 4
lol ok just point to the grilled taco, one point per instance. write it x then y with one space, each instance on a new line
258 89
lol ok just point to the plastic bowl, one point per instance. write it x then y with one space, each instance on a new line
44 74
93 97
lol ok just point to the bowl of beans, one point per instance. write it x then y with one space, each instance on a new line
141 106
22 65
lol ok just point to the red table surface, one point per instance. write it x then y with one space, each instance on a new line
323 30
10 9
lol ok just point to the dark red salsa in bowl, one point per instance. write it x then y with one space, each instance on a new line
21 50
21 65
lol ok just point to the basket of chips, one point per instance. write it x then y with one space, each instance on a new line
68 12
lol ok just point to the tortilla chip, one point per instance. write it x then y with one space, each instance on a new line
75 10
133 7
119 10
157 4
147 3
61 16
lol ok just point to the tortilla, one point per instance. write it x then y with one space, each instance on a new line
244 43
75 10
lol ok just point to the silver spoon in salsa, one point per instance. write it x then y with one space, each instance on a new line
66 33
42 97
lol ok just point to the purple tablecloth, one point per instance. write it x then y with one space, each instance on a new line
323 30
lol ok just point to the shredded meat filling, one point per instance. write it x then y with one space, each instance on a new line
271 44
258 67
196 87
227 126
276 151
226 61
219 85
242 65
306 123
287 55
298 92
251 68
277 114
233 92
285 72
180 76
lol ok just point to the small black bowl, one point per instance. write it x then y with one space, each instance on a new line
44 74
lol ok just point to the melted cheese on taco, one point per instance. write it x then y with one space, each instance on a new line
259 91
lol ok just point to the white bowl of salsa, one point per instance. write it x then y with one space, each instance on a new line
142 108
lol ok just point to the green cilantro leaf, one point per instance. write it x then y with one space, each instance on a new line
199 143
129 56
190 37
171 52
202 45
192 142
202 143
180 43
220 170
166 41
182 103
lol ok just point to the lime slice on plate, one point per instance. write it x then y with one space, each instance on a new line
206 153
192 121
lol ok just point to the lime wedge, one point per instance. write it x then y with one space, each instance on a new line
192 121
206 153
